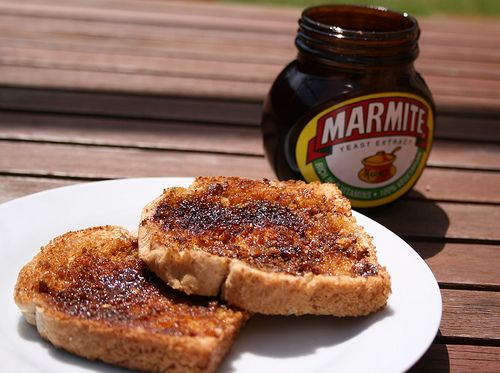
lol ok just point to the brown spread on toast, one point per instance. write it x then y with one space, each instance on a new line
119 289
283 227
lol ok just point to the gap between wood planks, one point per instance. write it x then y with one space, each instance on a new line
467 341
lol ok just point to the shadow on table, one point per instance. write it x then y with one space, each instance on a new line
414 218
435 360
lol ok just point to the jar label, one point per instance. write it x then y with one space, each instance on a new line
373 147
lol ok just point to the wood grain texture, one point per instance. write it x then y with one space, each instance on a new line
482 100
172 135
12 187
421 218
137 64
238 61
469 128
450 125
209 137
471 314
126 105
62 160
120 82
145 16
474 156
458 186
461 264
448 358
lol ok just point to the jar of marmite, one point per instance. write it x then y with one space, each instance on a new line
351 109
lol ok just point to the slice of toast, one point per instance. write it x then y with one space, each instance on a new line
89 293
266 246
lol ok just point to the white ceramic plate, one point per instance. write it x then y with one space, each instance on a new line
391 340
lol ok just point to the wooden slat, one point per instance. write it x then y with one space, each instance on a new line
475 156
101 162
454 86
474 186
427 219
181 47
461 264
196 21
441 358
131 106
130 64
429 65
265 11
469 128
213 138
477 25
78 56
471 314
185 6
130 83
102 33
12 187
435 36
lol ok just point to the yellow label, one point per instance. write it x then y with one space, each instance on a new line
373 147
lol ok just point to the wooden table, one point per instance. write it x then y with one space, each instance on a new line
99 89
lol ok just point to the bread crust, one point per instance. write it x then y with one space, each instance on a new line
195 271
128 345
279 293
264 292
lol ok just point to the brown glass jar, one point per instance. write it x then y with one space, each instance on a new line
351 109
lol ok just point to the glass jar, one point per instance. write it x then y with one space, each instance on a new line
351 109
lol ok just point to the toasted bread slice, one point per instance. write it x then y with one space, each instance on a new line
266 246
89 293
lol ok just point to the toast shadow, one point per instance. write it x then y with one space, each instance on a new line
296 336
